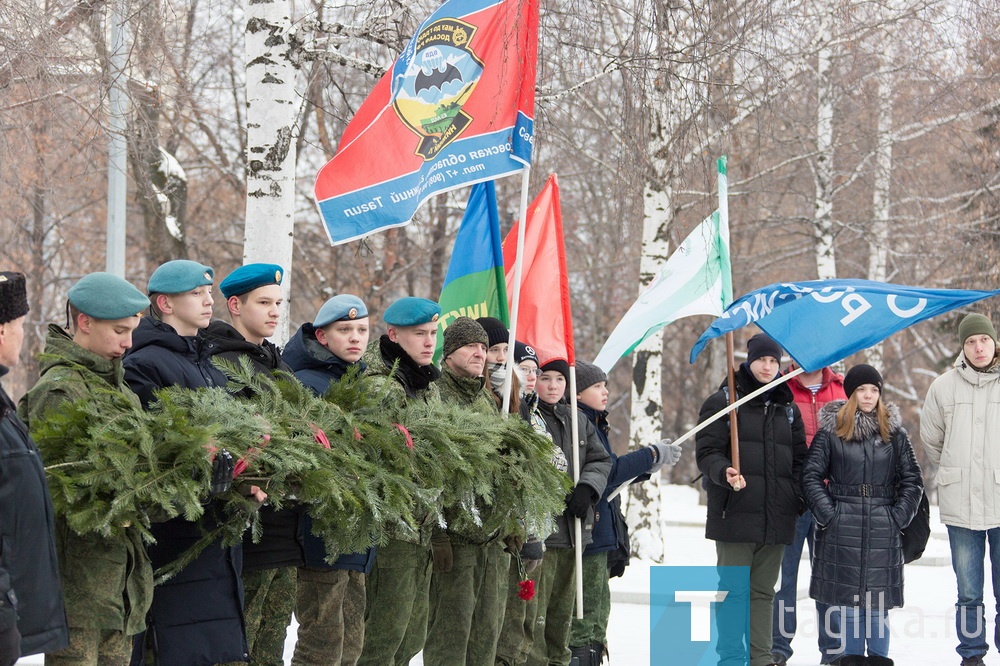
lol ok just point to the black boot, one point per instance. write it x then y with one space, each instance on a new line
587 655
875 660
851 660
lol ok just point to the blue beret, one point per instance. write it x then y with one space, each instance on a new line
411 311
178 276
249 277
342 306
107 296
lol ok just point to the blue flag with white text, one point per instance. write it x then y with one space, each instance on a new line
820 322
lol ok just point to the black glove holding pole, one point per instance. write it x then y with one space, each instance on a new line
581 500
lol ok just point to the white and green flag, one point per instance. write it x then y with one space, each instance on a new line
696 280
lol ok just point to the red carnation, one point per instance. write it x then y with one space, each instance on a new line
527 591
409 437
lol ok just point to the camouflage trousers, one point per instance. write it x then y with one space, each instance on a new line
93 647
396 608
330 608
467 606
269 599
556 593
592 629
518 629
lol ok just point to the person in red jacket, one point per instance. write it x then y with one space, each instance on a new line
810 390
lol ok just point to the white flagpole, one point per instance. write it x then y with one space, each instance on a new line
515 301
719 414
577 523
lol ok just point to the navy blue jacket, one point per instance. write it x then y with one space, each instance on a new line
280 543
316 367
196 618
635 465
27 540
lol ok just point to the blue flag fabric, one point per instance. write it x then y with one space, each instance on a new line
820 322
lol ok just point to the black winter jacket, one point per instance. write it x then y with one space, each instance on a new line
197 616
772 448
27 540
858 556
595 464
280 543
160 357
316 367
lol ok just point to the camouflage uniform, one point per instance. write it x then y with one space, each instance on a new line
328 604
270 599
596 602
518 631
399 584
467 603
107 581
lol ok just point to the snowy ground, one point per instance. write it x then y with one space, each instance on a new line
923 633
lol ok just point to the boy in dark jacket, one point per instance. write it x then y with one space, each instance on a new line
32 618
183 629
108 580
253 299
752 511
330 601
557 586
608 554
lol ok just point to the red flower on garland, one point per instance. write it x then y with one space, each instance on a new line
527 590
406 433
320 436
357 434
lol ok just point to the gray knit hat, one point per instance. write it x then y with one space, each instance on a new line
588 374
975 324
461 332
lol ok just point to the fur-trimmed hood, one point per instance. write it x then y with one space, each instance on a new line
866 424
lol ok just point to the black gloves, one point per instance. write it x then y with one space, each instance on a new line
581 500
222 472
532 553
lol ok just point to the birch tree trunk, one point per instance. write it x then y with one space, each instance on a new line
643 512
878 237
273 64
826 266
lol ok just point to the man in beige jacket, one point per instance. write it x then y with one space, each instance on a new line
960 428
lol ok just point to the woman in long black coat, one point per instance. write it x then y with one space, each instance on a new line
863 485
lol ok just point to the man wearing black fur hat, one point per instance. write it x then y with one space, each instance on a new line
32 616
752 511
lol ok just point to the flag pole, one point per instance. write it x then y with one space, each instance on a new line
515 300
577 523
734 437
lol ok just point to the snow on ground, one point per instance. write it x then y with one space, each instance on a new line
923 632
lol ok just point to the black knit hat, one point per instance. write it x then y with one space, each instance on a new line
861 374
13 296
762 345
557 365
523 352
461 332
588 374
495 329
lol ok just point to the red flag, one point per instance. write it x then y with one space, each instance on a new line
544 318
456 108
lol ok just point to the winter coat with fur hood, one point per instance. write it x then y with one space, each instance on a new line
862 492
